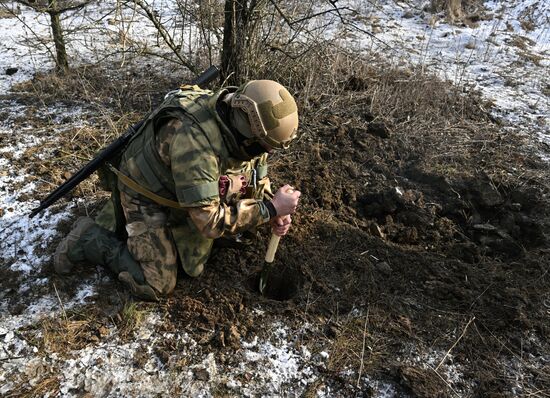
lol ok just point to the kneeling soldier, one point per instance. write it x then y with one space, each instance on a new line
195 171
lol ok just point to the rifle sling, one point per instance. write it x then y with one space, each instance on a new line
144 191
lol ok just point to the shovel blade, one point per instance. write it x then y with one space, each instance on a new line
264 276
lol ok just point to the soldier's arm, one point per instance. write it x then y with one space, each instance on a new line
195 170
218 219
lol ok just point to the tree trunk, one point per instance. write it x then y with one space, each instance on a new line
62 65
235 33
454 10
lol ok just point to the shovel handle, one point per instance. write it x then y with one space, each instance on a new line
272 248
274 241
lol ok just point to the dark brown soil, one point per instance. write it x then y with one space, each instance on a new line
434 245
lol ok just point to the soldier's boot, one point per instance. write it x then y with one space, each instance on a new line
99 246
61 261
144 291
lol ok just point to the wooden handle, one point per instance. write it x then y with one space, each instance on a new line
274 242
272 248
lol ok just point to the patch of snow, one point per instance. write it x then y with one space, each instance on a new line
449 370
15 52
277 363
84 293
23 236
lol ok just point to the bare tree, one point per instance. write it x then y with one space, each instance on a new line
55 8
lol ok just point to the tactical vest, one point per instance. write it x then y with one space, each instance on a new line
142 161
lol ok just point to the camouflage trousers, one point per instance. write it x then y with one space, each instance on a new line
150 242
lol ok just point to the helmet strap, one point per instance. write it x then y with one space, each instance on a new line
249 147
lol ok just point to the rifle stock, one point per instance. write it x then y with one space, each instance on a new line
109 152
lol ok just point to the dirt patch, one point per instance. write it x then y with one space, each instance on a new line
415 232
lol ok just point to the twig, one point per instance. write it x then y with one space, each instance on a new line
10 358
318 14
482 293
456 342
444 381
281 13
363 350
60 302
165 35
307 298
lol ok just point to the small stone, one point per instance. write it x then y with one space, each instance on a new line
201 374
384 268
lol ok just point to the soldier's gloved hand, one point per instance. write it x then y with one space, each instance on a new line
285 200
280 224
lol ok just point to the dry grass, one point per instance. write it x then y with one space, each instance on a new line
75 332
110 89
357 347
76 329
47 386
130 318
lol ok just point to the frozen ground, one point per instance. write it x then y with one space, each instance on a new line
505 55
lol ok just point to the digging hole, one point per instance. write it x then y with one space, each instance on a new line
282 285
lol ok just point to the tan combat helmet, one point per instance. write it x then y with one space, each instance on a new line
265 111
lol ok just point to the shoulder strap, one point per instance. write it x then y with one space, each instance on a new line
144 191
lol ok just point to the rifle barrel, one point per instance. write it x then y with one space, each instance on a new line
107 153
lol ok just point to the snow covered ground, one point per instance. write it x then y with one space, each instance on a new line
505 54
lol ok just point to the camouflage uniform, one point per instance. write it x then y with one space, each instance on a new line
183 153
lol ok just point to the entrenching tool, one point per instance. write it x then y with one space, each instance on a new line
269 257
268 265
